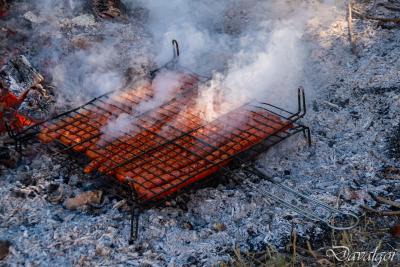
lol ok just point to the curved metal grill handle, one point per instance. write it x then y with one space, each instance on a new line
333 212
341 228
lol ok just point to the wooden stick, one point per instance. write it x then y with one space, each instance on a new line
382 213
390 6
294 243
387 201
3 5
350 28
311 251
366 16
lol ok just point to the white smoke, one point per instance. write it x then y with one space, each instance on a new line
270 72
83 56
197 25
91 73
163 87
252 49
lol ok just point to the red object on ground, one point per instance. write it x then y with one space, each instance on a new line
9 104
396 231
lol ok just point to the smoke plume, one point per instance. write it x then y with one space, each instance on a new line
250 49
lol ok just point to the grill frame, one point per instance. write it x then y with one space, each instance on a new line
290 118
288 128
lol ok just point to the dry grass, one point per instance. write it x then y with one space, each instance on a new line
373 231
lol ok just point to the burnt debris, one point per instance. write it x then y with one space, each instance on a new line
3 7
4 248
394 143
107 9
18 76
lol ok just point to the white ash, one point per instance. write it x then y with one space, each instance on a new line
85 20
353 108
30 16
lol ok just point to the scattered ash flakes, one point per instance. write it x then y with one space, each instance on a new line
354 113
43 232
215 220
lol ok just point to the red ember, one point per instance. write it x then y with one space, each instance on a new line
9 104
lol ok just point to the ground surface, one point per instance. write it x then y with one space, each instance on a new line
354 106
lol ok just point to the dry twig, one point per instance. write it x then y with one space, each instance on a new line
379 212
311 251
390 6
294 243
352 39
366 16
386 201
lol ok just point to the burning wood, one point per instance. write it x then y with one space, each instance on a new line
22 93
3 7
107 8
18 76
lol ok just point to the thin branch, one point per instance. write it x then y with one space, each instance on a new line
350 28
366 16
381 213
390 6
387 201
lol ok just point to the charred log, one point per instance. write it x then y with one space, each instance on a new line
24 99
18 76
3 7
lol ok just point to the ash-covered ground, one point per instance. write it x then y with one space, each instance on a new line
353 112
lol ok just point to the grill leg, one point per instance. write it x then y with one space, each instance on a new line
307 134
18 149
135 214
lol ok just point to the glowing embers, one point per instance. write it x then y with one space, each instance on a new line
9 115
165 147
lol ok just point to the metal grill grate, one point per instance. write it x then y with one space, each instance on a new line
169 146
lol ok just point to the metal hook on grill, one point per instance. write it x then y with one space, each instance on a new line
333 212
301 112
170 64
176 48
301 104
302 108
